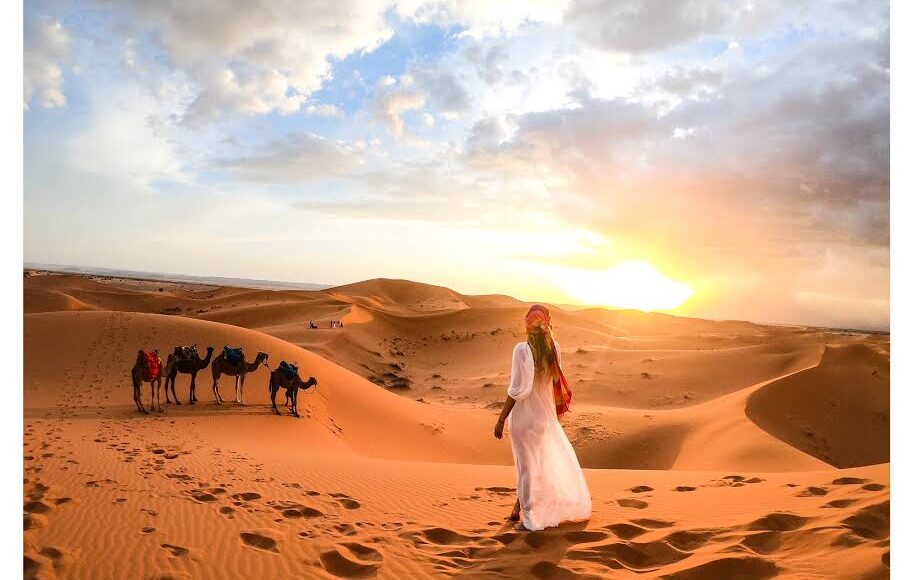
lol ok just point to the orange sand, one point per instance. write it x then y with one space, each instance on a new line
712 449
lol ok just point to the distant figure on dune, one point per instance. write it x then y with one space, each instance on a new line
550 484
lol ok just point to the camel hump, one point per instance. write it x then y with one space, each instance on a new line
288 369
185 352
233 355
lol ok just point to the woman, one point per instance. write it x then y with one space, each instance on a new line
550 485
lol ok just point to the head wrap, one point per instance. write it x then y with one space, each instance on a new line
538 320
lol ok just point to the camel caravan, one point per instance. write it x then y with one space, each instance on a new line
148 368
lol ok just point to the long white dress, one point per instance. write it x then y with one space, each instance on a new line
550 483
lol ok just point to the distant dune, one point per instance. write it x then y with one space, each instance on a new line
713 449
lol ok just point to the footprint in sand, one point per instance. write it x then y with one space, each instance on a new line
812 491
345 529
34 521
873 487
762 542
840 503
848 481
345 562
302 512
260 540
690 540
349 504
440 536
778 522
176 551
147 530
246 496
626 531
684 488
632 503
36 507
871 522
641 489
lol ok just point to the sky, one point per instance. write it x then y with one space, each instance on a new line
723 159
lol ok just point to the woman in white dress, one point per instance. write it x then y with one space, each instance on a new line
550 484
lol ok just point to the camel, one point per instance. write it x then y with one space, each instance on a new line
221 366
188 366
140 374
281 379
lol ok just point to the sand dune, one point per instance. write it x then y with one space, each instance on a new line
851 385
695 434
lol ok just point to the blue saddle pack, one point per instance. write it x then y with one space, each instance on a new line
233 355
288 369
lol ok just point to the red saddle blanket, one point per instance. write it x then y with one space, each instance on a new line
152 364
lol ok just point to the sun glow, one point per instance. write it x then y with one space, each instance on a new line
630 284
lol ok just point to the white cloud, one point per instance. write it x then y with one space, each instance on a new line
483 18
46 51
392 105
438 89
294 159
122 141
251 57
325 110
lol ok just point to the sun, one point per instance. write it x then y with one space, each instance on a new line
629 284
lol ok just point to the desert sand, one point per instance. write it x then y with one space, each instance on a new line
713 450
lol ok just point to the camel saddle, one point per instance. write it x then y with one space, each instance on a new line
151 360
185 352
233 355
288 369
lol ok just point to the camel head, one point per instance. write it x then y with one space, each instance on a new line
311 382
262 356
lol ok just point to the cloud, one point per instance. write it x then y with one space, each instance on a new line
391 106
325 110
46 51
297 158
647 25
251 57
482 18
424 86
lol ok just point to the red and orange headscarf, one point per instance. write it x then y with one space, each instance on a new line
539 320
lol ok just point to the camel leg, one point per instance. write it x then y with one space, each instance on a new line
173 393
151 396
215 389
137 391
295 403
158 395
273 389
241 383
193 382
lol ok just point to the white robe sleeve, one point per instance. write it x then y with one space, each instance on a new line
521 373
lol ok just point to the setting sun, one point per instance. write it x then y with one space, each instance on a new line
629 284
